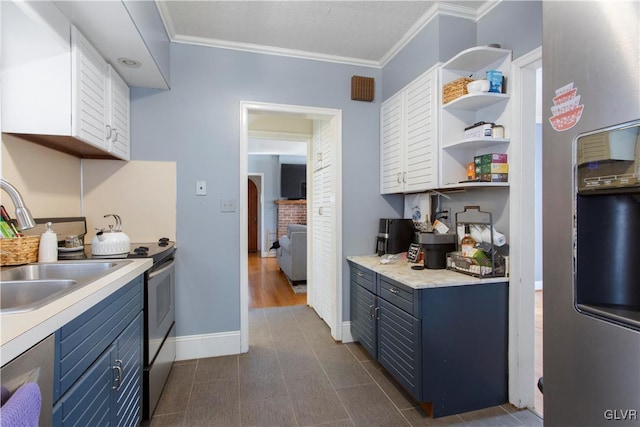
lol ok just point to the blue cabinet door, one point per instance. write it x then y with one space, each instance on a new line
128 392
89 402
363 322
400 346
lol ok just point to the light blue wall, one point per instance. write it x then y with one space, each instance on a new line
515 25
439 40
270 167
196 124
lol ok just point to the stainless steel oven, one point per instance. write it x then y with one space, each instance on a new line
160 347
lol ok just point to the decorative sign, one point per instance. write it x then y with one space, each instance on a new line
567 110
413 253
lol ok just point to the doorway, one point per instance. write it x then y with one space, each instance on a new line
334 293
252 212
525 358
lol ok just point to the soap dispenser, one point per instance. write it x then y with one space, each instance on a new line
48 250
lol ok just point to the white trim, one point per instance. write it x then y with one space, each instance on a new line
207 345
270 50
346 333
521 218
309 113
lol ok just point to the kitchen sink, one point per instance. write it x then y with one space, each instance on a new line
31 286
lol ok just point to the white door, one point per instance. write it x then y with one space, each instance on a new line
322 293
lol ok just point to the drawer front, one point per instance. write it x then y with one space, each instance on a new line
82 340
399 295
363 322
363 277
400 347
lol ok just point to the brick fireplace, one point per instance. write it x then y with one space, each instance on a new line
290 212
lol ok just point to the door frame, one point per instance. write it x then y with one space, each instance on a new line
310 113
262 240
521 219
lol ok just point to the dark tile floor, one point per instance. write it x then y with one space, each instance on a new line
295 374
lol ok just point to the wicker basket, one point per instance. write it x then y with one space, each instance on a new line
455 89
20 250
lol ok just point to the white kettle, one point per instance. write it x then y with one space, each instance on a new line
111 241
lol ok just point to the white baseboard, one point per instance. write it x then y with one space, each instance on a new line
346 332
207 345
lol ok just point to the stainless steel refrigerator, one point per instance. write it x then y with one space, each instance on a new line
591 213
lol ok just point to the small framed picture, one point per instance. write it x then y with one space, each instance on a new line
413 254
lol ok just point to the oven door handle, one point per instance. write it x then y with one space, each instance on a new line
162 270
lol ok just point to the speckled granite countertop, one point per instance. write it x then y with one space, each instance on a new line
400 270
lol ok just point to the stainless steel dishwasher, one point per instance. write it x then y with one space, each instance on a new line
34 365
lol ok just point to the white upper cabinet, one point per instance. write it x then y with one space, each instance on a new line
57 89
89 92
456 115
118 116
408 137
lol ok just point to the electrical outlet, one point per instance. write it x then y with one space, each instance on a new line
201 188
228 205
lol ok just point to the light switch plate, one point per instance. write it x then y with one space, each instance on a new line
228 205
201 188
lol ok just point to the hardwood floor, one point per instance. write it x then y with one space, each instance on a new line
268 286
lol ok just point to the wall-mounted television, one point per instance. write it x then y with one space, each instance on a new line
293 181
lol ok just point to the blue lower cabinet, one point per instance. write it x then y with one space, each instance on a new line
447 346
102 390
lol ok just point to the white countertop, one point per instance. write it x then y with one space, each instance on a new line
20 331
400 270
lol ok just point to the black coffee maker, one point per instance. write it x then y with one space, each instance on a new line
394 236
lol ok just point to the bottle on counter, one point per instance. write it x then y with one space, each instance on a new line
467 243
48 249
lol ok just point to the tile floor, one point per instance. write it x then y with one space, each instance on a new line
295 374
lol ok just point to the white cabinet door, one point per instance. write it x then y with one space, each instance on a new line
408 137
421 146
323 267
118 107
391 145
89 92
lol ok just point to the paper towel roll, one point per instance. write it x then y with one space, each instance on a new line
498 238
476 232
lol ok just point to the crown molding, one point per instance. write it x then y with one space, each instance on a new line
440 8
277 51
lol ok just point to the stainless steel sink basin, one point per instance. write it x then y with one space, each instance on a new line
28 287
20 294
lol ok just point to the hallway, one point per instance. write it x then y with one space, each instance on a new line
295 374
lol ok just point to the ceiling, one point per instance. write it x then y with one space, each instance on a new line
357 32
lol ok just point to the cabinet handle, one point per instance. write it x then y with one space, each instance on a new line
371 311
115 135
360 274
399 178
118 379
394 291
320 211
108 132
376 311
404 177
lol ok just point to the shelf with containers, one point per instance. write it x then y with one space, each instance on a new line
456 151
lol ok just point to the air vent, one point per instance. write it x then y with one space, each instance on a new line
362 88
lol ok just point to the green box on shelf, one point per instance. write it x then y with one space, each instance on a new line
487 159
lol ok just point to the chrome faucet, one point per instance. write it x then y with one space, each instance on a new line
23 216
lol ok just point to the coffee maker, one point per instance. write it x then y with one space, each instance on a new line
394 236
